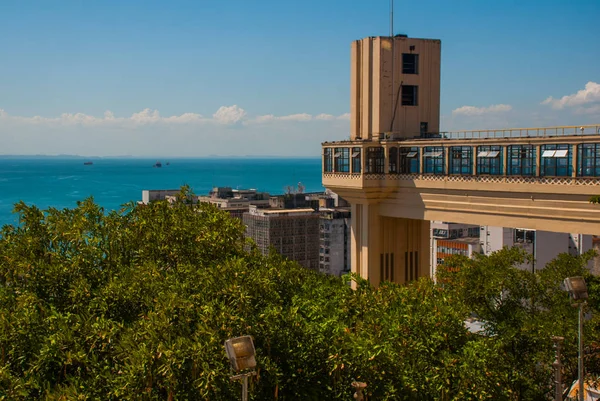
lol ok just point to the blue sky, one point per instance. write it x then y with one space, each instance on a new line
272 77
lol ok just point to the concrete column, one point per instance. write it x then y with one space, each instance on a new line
504 161
365 241
371 229
446 154
363 158
386 162
474 168
574 159
421 150
333 160
355 240
402 244
538 160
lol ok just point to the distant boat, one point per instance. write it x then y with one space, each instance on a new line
168 163
88 163
157 164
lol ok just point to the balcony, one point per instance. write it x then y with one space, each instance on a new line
555 158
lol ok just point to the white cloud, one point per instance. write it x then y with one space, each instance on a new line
185 118
297 117
345 116
479 111
229 115
324 116
146 116
590 94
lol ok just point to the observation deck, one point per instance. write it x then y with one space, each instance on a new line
539 178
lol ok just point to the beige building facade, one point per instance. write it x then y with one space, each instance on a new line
395 87
399 172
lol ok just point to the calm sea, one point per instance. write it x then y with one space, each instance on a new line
60 182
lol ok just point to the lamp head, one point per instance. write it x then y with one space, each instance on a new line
240 351
576 287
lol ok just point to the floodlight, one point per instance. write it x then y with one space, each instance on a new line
576 287
578 290
240 351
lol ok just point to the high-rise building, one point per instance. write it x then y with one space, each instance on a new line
334 241
291 232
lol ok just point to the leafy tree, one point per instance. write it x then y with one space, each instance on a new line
521 311
136 304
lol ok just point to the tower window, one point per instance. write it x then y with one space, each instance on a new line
410 94
410 63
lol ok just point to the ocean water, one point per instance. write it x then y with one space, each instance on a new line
61 182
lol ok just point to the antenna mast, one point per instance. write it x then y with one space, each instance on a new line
393 103
392 18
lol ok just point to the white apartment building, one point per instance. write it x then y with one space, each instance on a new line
334 244
465 239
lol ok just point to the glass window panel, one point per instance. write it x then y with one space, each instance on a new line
356 162
433 164
561 153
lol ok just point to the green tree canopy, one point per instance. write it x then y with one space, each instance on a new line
136 305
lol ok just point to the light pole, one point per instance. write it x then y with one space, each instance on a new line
240 351
578 291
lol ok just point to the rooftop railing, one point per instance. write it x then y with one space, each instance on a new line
523 132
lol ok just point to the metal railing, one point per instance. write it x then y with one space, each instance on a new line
523 132
531 132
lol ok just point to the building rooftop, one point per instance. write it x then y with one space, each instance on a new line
286 211
466 240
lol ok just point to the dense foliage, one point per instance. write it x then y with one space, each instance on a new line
137 305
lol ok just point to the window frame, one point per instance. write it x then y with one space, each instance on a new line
375 160
410 66
413 92
462 165
408 160
328 160
487 165
434 164
341 160
588 153
553 166
518 165
356 160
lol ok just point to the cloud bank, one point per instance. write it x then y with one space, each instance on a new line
226 115
590 94
229 131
